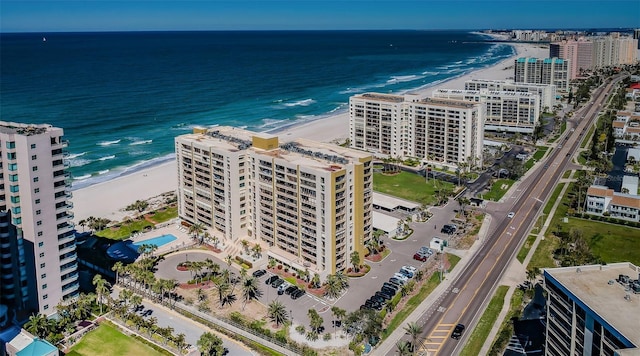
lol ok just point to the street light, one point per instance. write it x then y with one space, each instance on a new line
291 314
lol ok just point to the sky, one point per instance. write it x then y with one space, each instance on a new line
158 15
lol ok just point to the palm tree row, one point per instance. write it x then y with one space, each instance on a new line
335 284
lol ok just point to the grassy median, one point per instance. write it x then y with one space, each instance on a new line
489 317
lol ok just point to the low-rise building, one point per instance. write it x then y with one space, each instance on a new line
602 200
592 310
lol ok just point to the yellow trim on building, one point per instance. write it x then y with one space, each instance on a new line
265 143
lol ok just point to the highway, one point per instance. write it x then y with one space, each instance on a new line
465 299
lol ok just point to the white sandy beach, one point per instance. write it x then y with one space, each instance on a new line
108 199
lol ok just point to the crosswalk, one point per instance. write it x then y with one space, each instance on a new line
436 339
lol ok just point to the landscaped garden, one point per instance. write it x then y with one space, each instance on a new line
412 187
143 223
107 340
498 189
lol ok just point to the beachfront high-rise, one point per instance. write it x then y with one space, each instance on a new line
587 53
38 243
546 92
436 131
310 202
592 310
507 111
543 71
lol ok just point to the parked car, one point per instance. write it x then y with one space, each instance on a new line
420 257
425 250
406 273
259 273
390 285
389 291
283 287
398 281
271 279
276 283
297 294
384 296
457 331
410 268
290 290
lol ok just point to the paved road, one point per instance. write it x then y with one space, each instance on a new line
463 301
188 327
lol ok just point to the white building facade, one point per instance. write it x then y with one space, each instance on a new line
546 92
506 111
36 190
436 131
543 71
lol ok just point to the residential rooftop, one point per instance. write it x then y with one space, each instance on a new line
597 288
23 129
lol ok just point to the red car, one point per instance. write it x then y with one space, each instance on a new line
420 257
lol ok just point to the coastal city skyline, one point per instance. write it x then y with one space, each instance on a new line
75 16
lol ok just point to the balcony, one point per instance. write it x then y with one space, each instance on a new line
67 249
65 227
70 258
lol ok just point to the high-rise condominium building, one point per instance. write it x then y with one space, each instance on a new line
543 71
505 110
592 310
309 202
587 53
38 249
546 92
437 131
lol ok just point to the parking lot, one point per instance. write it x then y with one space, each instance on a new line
360 289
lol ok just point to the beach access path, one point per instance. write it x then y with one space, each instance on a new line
108 199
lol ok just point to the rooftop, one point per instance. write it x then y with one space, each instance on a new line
301 151
382 97
458 104
591 286
23 129
600 191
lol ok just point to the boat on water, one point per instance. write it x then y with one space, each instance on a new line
44 39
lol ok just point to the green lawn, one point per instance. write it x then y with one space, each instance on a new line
498 189
524 251
586 139
552 199
566 174
612 242
506 329
165 215
125 230
107 340
409 186
582 157
480 333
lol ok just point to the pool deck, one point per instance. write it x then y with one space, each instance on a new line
183 238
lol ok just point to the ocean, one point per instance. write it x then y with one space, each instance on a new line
122 97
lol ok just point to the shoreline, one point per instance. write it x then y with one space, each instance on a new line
108 198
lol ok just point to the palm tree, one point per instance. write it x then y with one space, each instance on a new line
338 314
277 312
532 274
342 279
196 229
38 325
223 287
82 223
257 251
315 320
118 268
250 290
102 288
315 281
413 330
355 260
245 246
403 347
332 287
210 344
228 260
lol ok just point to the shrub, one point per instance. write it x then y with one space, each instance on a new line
242 261
326 337
300 329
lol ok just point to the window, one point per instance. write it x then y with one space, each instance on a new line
42 265
38 212
46 306
34 168
39 233
43 276
13 166
46 295
35 179
41 254
34 157
39 222
13 177
44 286
33 145
14 188
41 243
37 201
37 190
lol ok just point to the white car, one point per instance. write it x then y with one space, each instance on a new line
410 268
511 214
401 277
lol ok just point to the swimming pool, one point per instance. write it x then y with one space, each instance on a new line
157 241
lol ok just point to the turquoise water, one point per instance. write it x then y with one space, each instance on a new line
122 97
157 241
